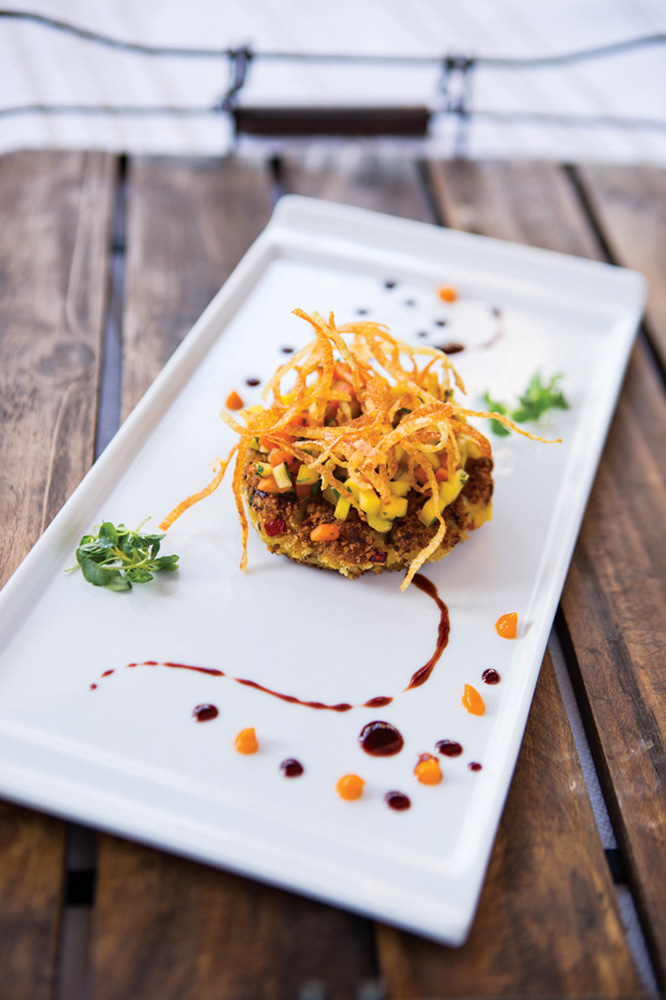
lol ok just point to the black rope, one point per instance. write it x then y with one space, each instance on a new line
496 62
537 117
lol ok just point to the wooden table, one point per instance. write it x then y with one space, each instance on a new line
104 265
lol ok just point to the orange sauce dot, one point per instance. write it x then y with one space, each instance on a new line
350 787
447 294
473 701
506 625
428 771
246 741
234 401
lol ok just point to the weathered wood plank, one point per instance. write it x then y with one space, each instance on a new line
210 935
547 922
615 599
548 792
54 239
160 919
188 226
630 203
364 181
55 212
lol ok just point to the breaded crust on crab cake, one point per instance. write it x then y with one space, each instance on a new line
285 523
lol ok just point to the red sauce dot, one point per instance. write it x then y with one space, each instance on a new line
490 676
450 748
474 765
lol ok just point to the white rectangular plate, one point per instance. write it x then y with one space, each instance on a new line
126 755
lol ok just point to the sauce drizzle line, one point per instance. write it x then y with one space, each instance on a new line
417 679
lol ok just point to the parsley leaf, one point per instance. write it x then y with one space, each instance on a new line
496 407
537 398
116 557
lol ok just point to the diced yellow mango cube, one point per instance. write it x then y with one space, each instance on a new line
396 507
282 477
306 477
341 509
428 513
382 524
399 488
449 490
369 502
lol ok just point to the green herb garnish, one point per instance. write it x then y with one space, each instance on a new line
534 402
117 557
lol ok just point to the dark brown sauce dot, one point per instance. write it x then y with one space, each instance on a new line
490 676
410 302
440 322
422 333
390 284
362 312
252 381
378 702
496 311
397 800
381 739
450 748
287 350
204 713
474 765
451 348
291 768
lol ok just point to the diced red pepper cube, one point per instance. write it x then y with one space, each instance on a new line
277 527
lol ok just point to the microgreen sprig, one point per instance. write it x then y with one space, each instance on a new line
537 398
116 557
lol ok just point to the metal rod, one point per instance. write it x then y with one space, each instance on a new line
495 62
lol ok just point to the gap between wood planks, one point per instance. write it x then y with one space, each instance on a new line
595 224
74 981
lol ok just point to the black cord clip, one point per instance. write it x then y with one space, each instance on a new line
239 62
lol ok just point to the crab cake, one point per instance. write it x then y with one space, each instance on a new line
360 460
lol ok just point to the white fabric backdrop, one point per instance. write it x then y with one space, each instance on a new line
40 66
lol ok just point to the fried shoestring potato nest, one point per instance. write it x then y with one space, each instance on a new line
358 421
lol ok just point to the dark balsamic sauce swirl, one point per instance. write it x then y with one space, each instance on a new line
422 675
417 679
